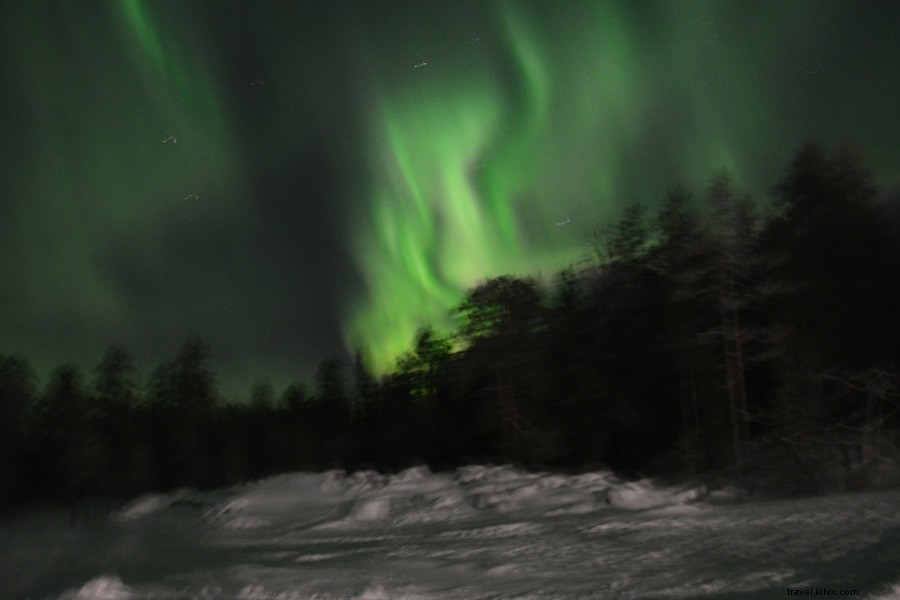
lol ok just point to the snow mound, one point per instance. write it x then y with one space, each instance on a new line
416 496
892 593
142 507
412 497
378 592
506 489
106 587
642 495
292 497
149 504
726 495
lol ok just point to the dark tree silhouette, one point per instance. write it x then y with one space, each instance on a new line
18 391
682 257
330 416
182 394
116 390
502 323
67 438
763 346
732 233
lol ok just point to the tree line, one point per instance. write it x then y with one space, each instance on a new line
760 341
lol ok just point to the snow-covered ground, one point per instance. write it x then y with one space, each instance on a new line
478 532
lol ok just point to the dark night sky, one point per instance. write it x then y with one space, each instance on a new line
292 180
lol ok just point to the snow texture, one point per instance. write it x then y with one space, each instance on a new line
475 533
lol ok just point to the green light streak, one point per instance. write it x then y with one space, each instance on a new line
426 211
173 79
98 169
475 168
144 31
528 115
458 176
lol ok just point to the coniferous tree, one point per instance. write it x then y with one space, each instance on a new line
828 263
682 259
571 354
330 417
68 444
297 403
115 401
18 392
732 231
367 403
115 378
230 448
264 451
626 309
624 242
182 394
502 323
423 371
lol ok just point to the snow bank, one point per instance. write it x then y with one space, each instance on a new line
149 504
335 500
727 495
642 495
142 507
506 489
107 587
892 593
310 497
412 497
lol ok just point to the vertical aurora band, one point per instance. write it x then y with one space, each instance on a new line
481 173
110 86
180 84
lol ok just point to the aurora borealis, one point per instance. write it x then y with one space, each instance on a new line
294 180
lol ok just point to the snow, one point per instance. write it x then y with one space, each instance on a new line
643 495
474 533
151 503
892 593
416 496
102 588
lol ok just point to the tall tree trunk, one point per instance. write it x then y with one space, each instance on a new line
743 417
509 425
692 449
731 389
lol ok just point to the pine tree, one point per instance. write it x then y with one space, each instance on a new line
422 371
330 416
182 395
18 391
682 258
115 390
501 325
68 441
732 232
828 263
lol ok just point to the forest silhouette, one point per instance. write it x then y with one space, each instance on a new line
715 337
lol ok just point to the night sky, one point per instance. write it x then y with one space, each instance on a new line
292 180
